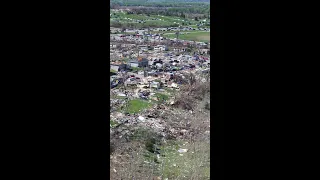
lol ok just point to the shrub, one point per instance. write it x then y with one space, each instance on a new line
207 106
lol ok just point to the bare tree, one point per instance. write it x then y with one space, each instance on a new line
123 76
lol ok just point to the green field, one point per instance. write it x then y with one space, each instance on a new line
192 36
136 105
113 123
137 68
113 71
149 21
173 31
162 96
194 163
123 16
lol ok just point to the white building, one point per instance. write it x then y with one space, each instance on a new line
160 48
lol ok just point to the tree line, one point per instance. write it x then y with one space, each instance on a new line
175 3
139 25
199 12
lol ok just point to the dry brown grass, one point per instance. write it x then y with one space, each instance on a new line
132 160
127 162
192 93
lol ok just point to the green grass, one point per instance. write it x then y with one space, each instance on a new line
162 96
130 33
136 105
196 164
113 123
137 69
120 97
166 21
172 165
170 90
174 31
195 36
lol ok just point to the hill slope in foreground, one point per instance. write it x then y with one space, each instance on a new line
166 140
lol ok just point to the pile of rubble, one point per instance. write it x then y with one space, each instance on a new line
164 119
154 118
116 103
144 94
127 124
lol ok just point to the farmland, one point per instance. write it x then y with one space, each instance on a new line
123 19
192 36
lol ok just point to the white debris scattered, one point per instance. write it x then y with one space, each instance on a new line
120 115
182 150
141 118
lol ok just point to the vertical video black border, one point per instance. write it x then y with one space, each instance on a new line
217 90
107 11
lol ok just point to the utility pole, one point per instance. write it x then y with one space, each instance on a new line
138 52
177 34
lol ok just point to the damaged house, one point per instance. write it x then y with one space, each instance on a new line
160 48
116 66
139 62
155 84
204 51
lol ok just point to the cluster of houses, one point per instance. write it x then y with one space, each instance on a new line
137 37
152 66
156 70
120 51
147 30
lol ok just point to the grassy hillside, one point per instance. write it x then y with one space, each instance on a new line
192 36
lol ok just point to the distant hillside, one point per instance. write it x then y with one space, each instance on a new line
164 7
159 1
177 1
